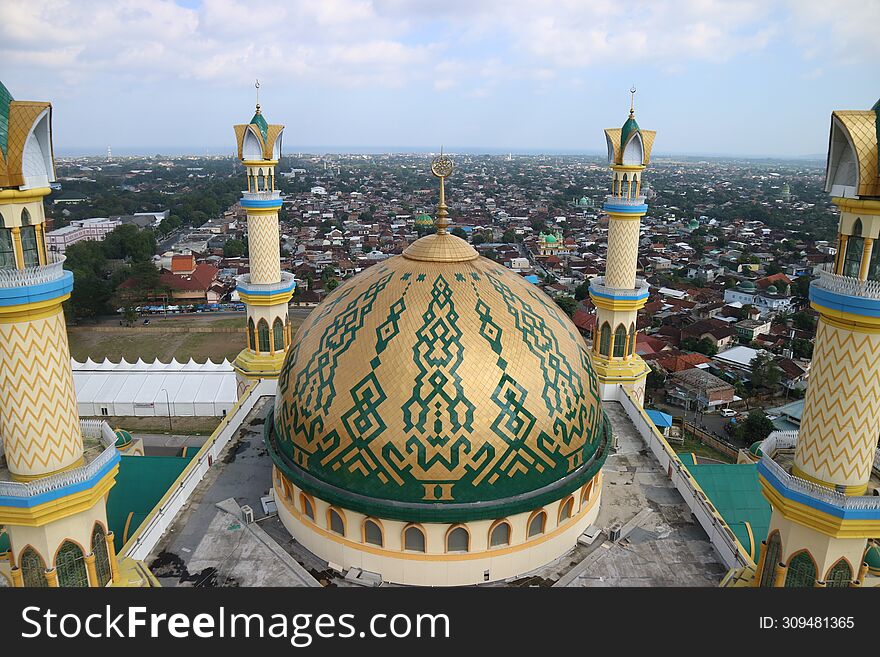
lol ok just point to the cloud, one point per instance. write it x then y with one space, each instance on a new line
394 43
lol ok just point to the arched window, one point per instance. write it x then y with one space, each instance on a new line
308 508
336 522
801 571
565 510
619 341
102 557
772 556
632 339
373 532
278 334
499 534
840 575
586 493
33 568
605 340
252 340
285 489
29 249
414 539
854 246
263 332
458 540
71 566
536 524
624 187
7 253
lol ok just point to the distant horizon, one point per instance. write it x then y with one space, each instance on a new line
213 151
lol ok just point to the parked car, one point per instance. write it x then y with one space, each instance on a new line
728 412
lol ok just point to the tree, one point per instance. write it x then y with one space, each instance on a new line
773 268
567 303
331 285
582 291
656 379
128 242
458 231
509 236
757 426
703 346
233 248
477 239
802 348
804 321
800 287
765 372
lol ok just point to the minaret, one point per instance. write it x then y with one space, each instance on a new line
53 486
266 290
823 514
619 295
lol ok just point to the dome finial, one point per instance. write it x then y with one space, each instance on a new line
632 100
257 87
442 167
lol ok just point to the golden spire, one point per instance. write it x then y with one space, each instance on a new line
632 101
257 87
442 167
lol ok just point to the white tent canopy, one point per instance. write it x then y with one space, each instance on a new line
144 389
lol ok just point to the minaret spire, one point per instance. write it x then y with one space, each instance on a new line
257 87
442 167
632 100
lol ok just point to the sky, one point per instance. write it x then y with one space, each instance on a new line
713 77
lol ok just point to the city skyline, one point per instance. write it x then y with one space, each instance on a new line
742 79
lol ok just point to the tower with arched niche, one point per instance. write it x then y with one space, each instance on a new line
619 295
266 290
54 475
824 515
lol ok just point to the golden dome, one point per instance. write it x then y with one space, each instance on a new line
438 386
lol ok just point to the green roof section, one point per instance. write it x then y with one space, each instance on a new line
5 99
629 128
141 482
872 556
4 542
735 491
260 121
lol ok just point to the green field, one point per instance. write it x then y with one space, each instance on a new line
134 342
693 446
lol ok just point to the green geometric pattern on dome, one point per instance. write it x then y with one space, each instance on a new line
5 99
423 455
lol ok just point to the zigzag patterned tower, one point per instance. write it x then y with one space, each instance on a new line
266 290
53 486
822 518
618 296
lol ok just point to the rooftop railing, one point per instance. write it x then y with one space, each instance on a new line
778 440
847 285
818 492
34 275
284 284
261 196
598 284
624 200
60 480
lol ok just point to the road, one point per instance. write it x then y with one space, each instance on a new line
712 422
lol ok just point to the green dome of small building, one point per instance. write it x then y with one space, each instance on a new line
755 449
747 286
550 239
872 558
424 220
123 438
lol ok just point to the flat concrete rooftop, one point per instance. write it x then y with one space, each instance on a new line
209 546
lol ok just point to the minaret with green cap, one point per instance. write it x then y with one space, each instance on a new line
266 290
619 295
